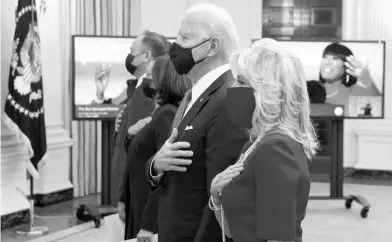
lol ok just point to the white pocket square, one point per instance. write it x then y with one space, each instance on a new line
188 127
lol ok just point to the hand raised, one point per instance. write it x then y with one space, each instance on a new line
102 75
359 70
172 156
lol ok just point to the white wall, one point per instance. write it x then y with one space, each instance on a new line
165 17
368 143
13 154
55 173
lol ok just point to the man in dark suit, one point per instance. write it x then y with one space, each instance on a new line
146 47
195 152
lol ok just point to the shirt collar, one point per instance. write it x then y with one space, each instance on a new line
206 81
140 80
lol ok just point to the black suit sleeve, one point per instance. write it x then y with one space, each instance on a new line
224 143
124 186
162 126
149 178
153 184
127 142
276 181
107 101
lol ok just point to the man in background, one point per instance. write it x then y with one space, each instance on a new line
146 47
136 64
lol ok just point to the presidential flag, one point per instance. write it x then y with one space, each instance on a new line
24 107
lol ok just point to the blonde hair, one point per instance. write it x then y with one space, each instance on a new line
220 24
282 102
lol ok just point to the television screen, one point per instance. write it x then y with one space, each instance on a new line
96 57
352 73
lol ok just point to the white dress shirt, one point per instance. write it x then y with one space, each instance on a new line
198 89
204 83
140 80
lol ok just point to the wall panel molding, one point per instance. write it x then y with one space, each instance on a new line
57 137
13 175
374 149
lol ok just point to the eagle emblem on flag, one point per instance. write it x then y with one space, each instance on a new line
24 108
29 70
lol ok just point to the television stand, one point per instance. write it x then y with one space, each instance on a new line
334 127
348 202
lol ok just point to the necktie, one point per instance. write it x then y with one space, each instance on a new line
181 109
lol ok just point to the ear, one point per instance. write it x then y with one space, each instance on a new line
148 56
215 45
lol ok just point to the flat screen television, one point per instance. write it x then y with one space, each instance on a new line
357 83
89 55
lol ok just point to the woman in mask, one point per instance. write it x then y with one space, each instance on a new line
263 197
144 139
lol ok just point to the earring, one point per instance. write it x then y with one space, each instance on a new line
347 78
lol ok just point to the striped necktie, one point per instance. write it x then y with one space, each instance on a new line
181 109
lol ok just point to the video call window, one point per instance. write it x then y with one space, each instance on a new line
92 56
352 73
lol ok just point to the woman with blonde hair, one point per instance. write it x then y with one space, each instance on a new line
263 197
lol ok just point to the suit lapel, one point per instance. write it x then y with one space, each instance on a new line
202 100
193 111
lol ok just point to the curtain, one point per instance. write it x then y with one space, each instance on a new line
368 20
371 20
93 17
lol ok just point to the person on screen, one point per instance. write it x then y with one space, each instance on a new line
102 78
144 138
147 46
135 63
343 75
367 110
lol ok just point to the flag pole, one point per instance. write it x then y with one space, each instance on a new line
31 229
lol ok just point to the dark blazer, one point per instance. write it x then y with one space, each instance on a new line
316 92
141 203
138 107
183 215
268 200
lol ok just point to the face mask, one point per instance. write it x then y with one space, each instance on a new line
182 58
131 68
239 106
147 90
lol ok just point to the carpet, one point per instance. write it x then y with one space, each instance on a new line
326 220
330 221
